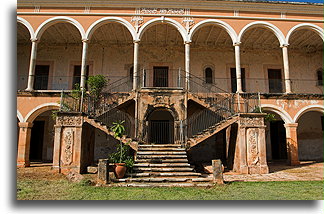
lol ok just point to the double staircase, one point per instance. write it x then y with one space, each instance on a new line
163 165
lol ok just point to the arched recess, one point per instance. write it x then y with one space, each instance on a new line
276 140
59 19
94 26
280 36
161 126
231 32
27 25
30 117
309 26
318 108
310 133
172 22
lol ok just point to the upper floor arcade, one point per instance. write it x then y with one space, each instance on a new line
267 52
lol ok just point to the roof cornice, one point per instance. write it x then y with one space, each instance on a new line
225 5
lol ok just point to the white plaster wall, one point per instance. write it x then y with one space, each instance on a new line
310 136
23 57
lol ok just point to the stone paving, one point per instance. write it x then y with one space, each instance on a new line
310 171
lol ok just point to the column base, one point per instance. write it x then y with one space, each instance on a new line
23 164
294 163
258 169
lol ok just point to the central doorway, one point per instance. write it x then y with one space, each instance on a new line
161 127
160 76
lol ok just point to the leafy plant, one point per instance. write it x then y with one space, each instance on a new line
96 84
118 128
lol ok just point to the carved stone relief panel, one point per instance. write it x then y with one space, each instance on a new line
252 136
67 146
69 120
251 121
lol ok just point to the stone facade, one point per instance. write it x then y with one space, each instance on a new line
208 53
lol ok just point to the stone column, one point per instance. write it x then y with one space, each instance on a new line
24 144
135 66
187 63
238 67
292 143
32 64
286 67
84 63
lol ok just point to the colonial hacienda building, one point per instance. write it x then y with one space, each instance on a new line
200 74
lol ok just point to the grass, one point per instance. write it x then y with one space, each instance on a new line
34 189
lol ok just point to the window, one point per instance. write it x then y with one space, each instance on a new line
131 73
208 75
77 74
275 80
41 77
233 79
319 76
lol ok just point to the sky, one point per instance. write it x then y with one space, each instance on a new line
313 1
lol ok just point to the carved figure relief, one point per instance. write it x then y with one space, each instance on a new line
252 147
67 153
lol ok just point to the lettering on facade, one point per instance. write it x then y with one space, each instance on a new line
162 11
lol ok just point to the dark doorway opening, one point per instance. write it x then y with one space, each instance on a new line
41 77
278 140
161 127
36 141
160 76
275 80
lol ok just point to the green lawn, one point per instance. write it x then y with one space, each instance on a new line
30 189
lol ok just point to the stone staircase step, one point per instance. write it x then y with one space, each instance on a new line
159 169
159 145
162 165
144 149
164 180
157 161
162 174
162 157
161 153
186 184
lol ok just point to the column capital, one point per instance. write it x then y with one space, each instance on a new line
34 40
236 43
136 41
85 40
284 45
187 42
291 125
25 125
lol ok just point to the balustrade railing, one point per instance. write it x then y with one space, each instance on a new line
162 77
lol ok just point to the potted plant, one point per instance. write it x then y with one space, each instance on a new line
121 157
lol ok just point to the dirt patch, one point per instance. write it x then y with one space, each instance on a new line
39 172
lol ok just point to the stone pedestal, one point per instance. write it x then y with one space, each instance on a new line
217 171
291 137
68 147
250 151
24 144
103 171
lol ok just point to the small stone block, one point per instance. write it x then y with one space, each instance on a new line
92 169
217 171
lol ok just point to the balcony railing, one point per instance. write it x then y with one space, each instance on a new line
177 79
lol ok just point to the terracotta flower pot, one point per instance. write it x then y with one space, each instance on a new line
120 170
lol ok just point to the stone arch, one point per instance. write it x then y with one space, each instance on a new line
281 112
27 25
171 111
155 21
318 108
59 19
280 36
105 20
19 116
231 32
31 116
309 26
